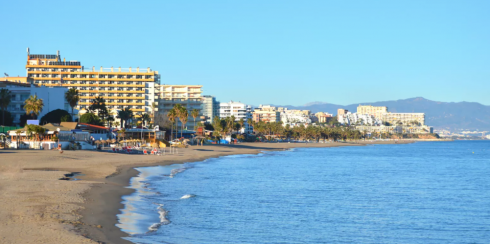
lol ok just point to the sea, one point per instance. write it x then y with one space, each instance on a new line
425 192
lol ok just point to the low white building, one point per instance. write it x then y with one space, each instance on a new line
240 111
358 119
53 98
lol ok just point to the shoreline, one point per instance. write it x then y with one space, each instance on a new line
41 208
112 234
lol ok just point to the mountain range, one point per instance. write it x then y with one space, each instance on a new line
441 115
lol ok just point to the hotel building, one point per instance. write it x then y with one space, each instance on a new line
404 118
372 110
121 88
189 96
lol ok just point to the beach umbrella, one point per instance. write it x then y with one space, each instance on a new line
113 140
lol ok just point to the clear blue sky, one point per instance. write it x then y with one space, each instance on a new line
260 52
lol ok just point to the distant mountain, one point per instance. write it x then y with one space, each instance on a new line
441 115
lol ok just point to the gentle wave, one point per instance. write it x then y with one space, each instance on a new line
176 171
163 219
187 196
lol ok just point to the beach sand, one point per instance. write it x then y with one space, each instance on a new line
38 207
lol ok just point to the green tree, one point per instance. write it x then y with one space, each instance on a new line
7 118
124 115
241 122
146 119
184 115
195 114
72 98
33 105
172 116
98 106
90 118
5 99
56 116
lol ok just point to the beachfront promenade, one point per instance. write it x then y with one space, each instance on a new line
38 207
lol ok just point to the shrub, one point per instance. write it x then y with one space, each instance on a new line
56 116
90 118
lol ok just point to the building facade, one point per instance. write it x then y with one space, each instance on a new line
131 88
404 118
189 96
358 119
341 111
323 117
376 111
210 108
239 111
266 113
53 98
294 117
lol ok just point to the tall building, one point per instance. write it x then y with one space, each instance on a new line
210 107
376 111
239 111
189 96
404 118
121 88
53 98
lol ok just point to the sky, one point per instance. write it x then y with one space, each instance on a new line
269 52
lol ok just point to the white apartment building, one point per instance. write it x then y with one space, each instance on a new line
240 111
53 98
404 118
189 96
358 119
294 117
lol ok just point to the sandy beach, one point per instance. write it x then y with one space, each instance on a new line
38 207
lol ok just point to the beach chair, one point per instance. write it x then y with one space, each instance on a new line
113 149
117 149
128 151
145 152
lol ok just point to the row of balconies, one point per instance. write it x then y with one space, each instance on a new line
38 77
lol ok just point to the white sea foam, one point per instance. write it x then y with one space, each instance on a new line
163 219
187 196
176 171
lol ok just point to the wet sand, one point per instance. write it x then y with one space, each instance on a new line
38 207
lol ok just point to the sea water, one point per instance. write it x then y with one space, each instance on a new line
426 192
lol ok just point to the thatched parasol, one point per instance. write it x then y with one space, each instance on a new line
113 141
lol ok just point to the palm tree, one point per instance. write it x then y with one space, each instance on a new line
125 115
249 123
184 115
17 133
72 98
241 122
33 105
110 120
5 98
194 114
172 116
145 118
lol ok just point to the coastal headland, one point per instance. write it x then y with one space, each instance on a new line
74 197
